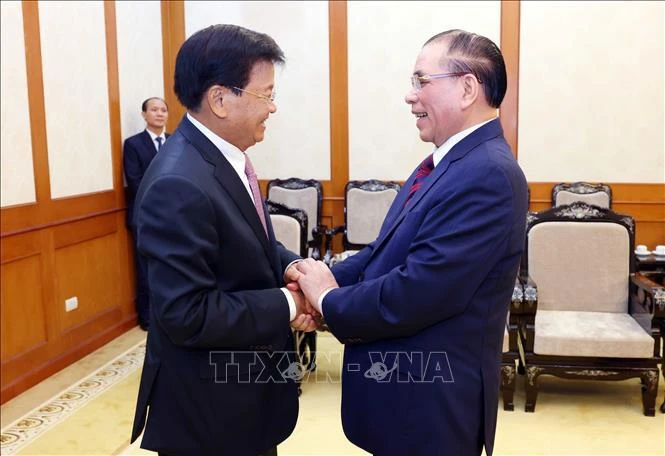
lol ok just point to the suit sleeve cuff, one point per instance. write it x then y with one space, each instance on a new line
292 303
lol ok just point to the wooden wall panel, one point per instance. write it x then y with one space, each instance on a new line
57 248
21 334
87 269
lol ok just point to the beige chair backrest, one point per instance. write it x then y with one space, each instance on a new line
600 198
303 198
287 231
580 266
365 211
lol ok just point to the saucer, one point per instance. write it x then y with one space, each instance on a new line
659 255
645 253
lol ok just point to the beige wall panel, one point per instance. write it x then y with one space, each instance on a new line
591 102
384 41
140 63
76 97
22 296
297 141
17 178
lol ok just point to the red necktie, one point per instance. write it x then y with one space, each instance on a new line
424 170
254 186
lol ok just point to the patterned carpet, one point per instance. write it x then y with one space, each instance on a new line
26 430
94 415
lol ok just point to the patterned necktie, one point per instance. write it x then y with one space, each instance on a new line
159 142
424 170
254 186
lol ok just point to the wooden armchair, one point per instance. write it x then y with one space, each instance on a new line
308 196
586 313
366 204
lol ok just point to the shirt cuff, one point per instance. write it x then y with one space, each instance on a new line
292 303
288 266
323 295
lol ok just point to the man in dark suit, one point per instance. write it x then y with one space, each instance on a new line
219 338
137 153
422 309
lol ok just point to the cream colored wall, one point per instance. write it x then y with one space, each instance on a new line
297 142
591 101
140 60
73 46
17 178
384 41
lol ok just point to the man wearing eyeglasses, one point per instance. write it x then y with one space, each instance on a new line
219 337
422 309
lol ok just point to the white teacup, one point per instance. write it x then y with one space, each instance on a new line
660 250
642 250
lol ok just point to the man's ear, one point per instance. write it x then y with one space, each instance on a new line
215 99
470 90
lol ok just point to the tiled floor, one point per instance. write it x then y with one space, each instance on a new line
572 417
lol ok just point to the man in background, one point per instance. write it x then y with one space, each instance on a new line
220 311
422 309
137 153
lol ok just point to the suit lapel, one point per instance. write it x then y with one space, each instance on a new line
228 179
488 131
148 146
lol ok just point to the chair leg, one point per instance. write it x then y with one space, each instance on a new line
662 406
508 386
649 380
531 387
520 366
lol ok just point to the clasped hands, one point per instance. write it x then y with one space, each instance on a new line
307 280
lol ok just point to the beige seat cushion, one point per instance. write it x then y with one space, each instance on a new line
602 334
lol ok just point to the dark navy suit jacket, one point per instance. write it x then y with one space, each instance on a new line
137 153
214 278
422 309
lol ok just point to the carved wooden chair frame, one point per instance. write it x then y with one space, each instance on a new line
646 305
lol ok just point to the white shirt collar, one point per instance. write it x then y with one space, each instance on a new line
154 136
232 154
442 150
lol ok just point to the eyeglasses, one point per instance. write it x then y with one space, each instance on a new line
417 80
267 98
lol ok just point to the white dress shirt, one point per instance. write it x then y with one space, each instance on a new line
237 160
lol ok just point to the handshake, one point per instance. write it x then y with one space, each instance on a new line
307 280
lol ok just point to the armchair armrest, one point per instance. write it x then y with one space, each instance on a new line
529 307
317 237
329 233
530 301
517 298
646 296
